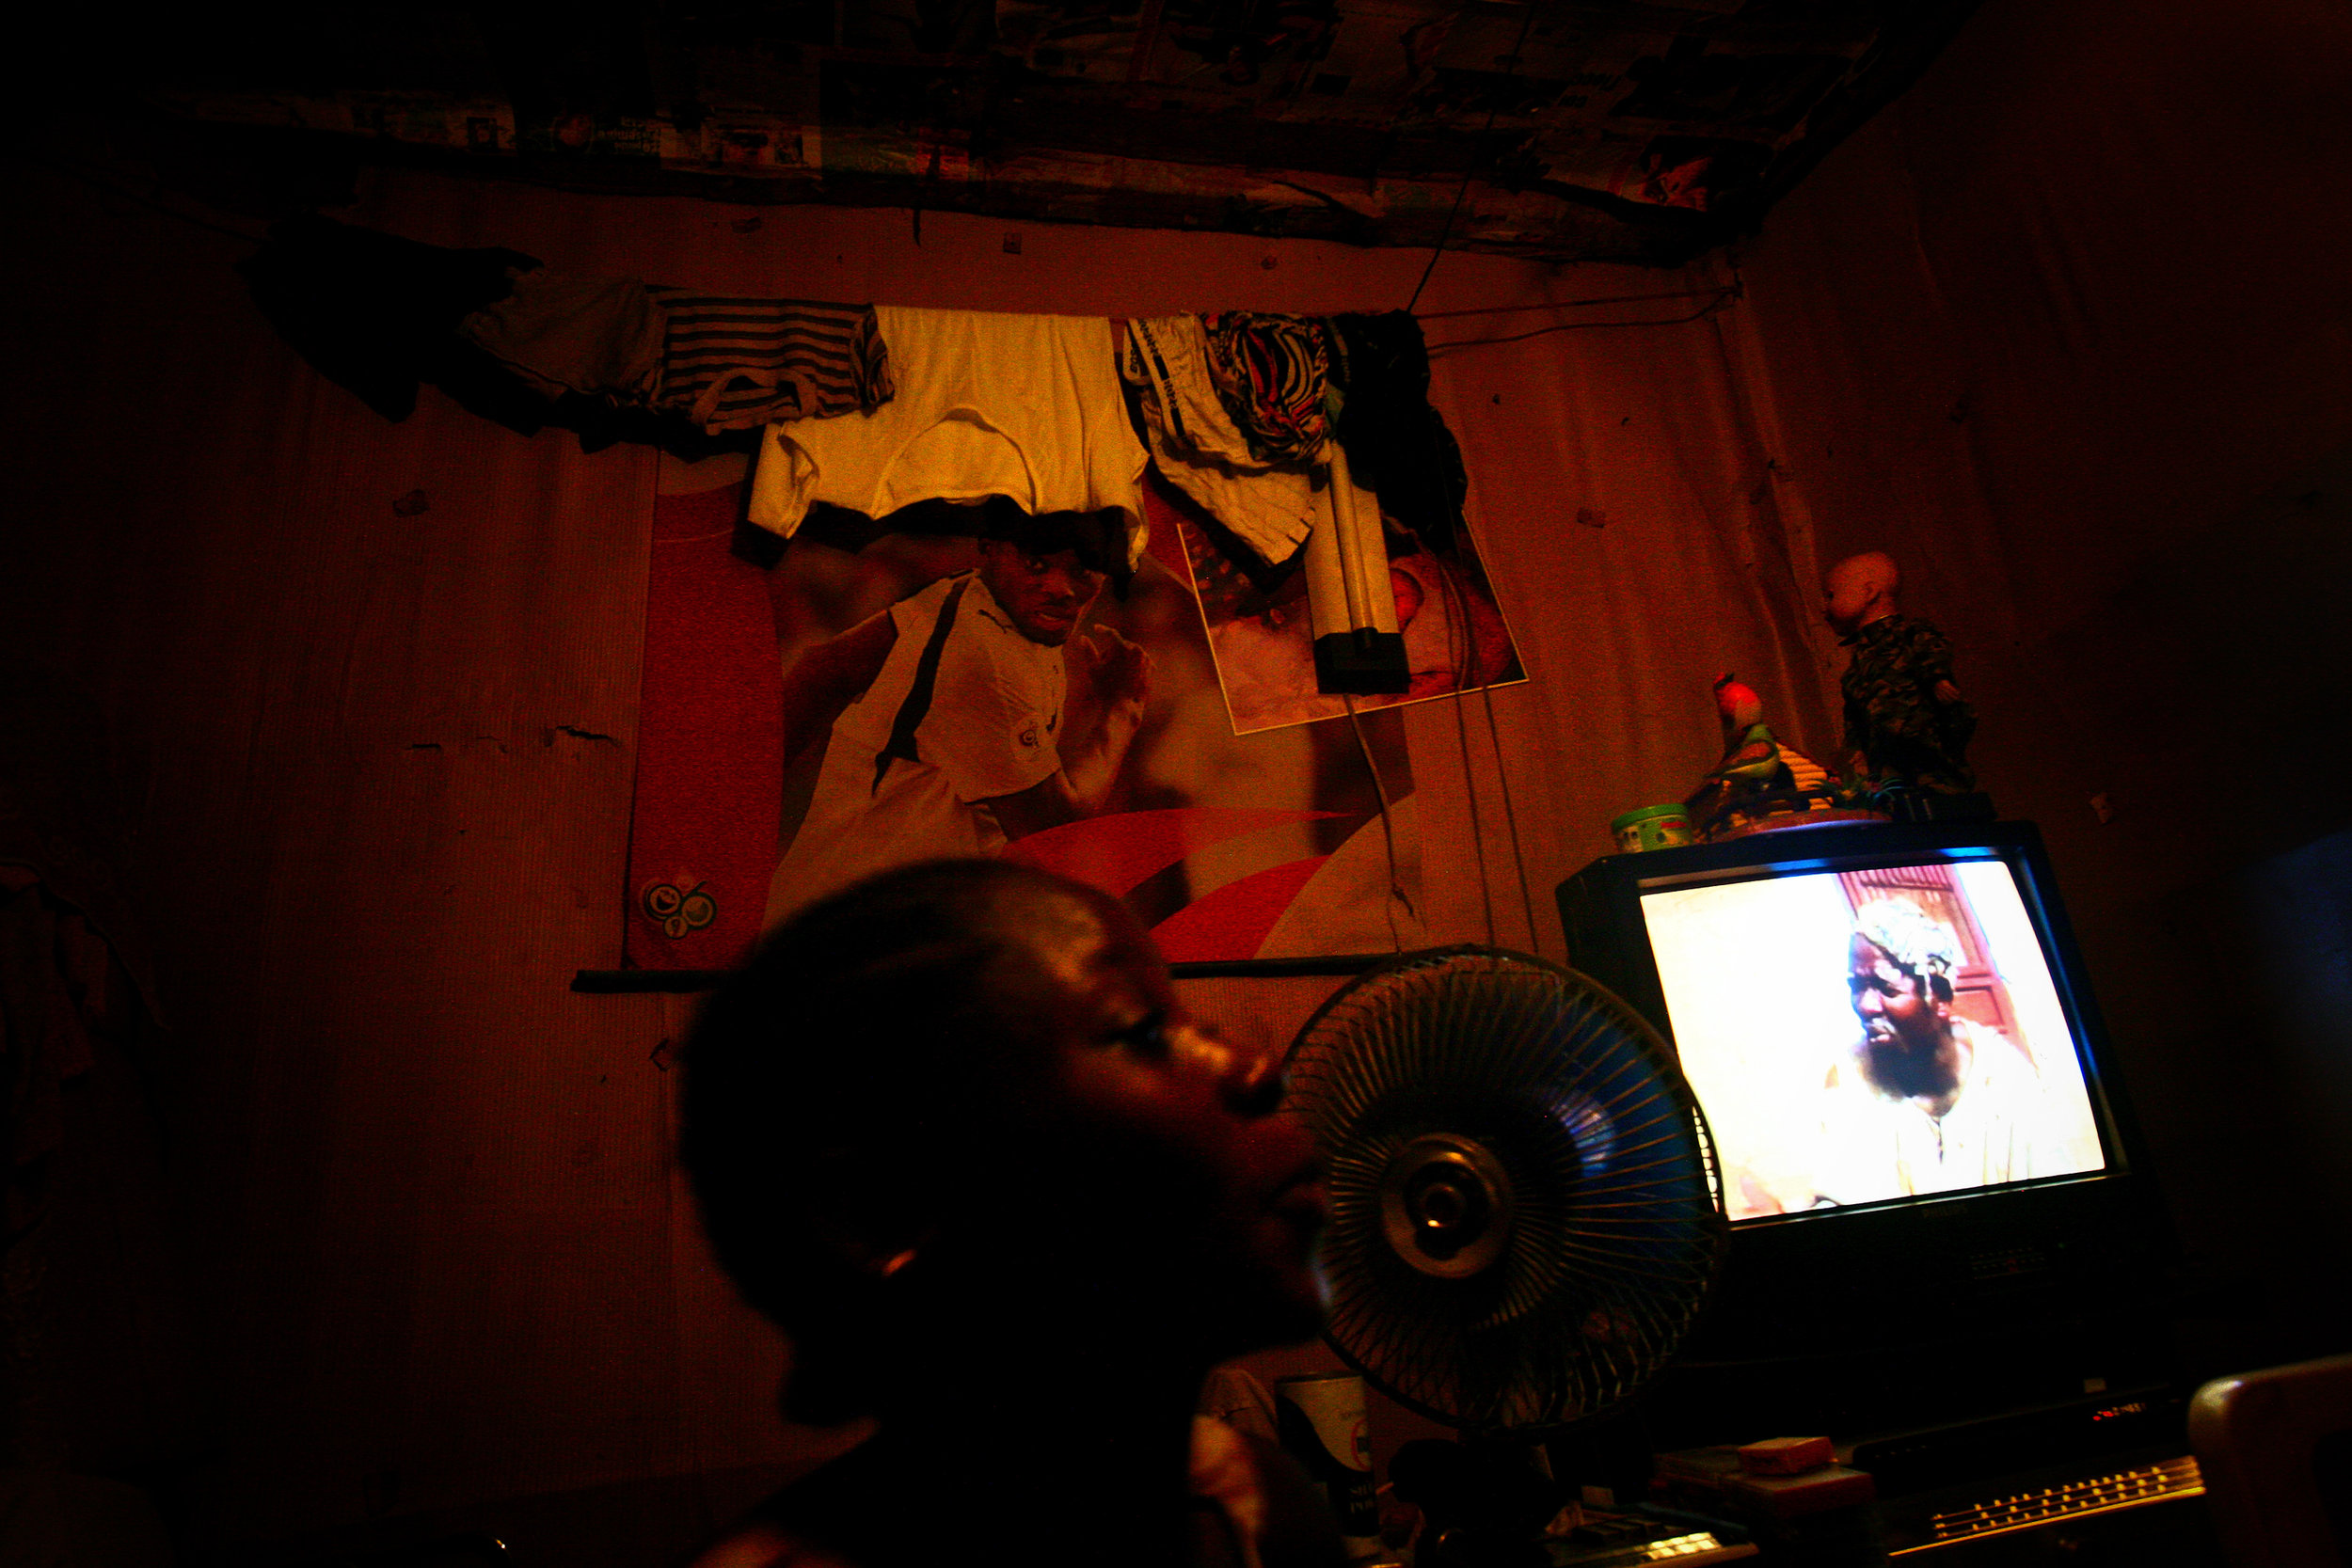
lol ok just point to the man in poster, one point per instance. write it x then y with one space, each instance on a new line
968 714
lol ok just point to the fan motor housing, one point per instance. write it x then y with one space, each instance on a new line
1445 1206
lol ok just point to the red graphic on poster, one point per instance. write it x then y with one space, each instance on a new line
702 826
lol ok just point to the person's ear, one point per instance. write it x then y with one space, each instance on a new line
881 1260
869 1211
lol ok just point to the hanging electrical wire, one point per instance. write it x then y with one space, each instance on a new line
1396 893
1446 232
1456 611
1510 815
1563 304
1722 296
1460 652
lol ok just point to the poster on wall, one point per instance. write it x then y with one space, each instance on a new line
881 696
1261 634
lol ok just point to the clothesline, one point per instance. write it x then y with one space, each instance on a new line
1258 416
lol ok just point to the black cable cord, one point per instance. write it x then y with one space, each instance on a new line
1510 814
1723 298
1444 233
1455 211
1395 893
1558 304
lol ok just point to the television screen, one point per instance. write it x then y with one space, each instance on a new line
1865 1036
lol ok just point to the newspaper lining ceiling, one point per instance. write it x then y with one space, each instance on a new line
1600 130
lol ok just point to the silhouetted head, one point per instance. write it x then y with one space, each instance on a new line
960 1105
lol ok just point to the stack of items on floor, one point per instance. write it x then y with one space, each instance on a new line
1297 435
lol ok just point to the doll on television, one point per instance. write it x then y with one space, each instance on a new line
1907 726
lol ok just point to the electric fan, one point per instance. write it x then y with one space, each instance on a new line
1524 1205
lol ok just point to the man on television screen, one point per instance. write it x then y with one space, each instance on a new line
1926 1101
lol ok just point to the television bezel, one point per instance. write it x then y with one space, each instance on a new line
1833 850
1917 1266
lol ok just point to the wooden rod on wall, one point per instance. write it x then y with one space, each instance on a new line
624 982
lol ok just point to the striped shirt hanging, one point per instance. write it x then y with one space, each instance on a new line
737 364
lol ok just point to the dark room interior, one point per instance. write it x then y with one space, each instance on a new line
342 1223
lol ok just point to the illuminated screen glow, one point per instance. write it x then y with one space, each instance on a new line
1820 1096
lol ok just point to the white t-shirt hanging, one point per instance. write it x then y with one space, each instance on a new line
988 404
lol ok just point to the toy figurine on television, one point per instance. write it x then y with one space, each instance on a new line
1760 781
1907 726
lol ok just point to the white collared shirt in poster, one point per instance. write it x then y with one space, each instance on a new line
992 727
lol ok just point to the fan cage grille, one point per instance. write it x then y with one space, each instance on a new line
1616 1219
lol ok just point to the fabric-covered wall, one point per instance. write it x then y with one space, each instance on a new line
2064 329
2057 329
433 1250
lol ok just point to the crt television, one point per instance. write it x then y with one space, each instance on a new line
1925 1157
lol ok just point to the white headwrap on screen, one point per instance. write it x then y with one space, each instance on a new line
1907 934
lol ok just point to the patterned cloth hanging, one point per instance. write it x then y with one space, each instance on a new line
1273 374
